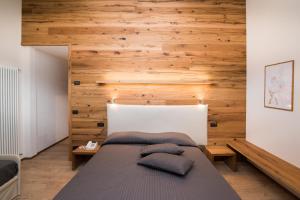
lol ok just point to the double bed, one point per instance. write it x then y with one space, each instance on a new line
113 173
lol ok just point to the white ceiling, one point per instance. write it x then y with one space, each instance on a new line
57 51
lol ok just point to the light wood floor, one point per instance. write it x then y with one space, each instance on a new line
44 175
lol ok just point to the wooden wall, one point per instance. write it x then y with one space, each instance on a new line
147 52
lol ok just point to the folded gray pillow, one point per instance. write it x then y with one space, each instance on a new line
179 165
162 148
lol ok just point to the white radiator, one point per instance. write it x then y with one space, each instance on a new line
9 140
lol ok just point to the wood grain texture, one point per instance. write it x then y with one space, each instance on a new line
281 171
172 43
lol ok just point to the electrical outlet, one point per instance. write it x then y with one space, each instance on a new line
100 124
75 112
214 124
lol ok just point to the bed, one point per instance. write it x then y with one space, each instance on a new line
9 177
113 172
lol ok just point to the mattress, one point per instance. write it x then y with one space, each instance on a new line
113 174
8 170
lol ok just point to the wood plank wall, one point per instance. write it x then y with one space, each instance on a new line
187 49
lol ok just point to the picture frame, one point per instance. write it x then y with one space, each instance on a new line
279 86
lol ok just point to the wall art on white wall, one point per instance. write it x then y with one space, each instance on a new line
279 86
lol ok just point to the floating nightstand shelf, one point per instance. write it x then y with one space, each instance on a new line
150 83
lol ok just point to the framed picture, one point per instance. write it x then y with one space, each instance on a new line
279 86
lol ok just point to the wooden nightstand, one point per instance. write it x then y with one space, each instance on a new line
222 151
80 152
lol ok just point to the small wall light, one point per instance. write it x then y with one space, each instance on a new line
201 101
113 103
113 100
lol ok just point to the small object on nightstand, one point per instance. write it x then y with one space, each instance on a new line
91 145
82 151
224 151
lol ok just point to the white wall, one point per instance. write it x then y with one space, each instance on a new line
40 73
51 102
11 53
273 35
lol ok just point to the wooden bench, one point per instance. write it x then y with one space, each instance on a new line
279 170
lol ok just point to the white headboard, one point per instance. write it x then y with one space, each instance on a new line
189 119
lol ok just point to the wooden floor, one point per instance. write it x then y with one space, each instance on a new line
44 175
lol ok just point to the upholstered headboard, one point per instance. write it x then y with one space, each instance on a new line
189 119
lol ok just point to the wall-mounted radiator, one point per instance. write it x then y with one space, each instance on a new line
9 140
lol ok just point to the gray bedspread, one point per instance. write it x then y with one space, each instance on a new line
113 174
8 170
